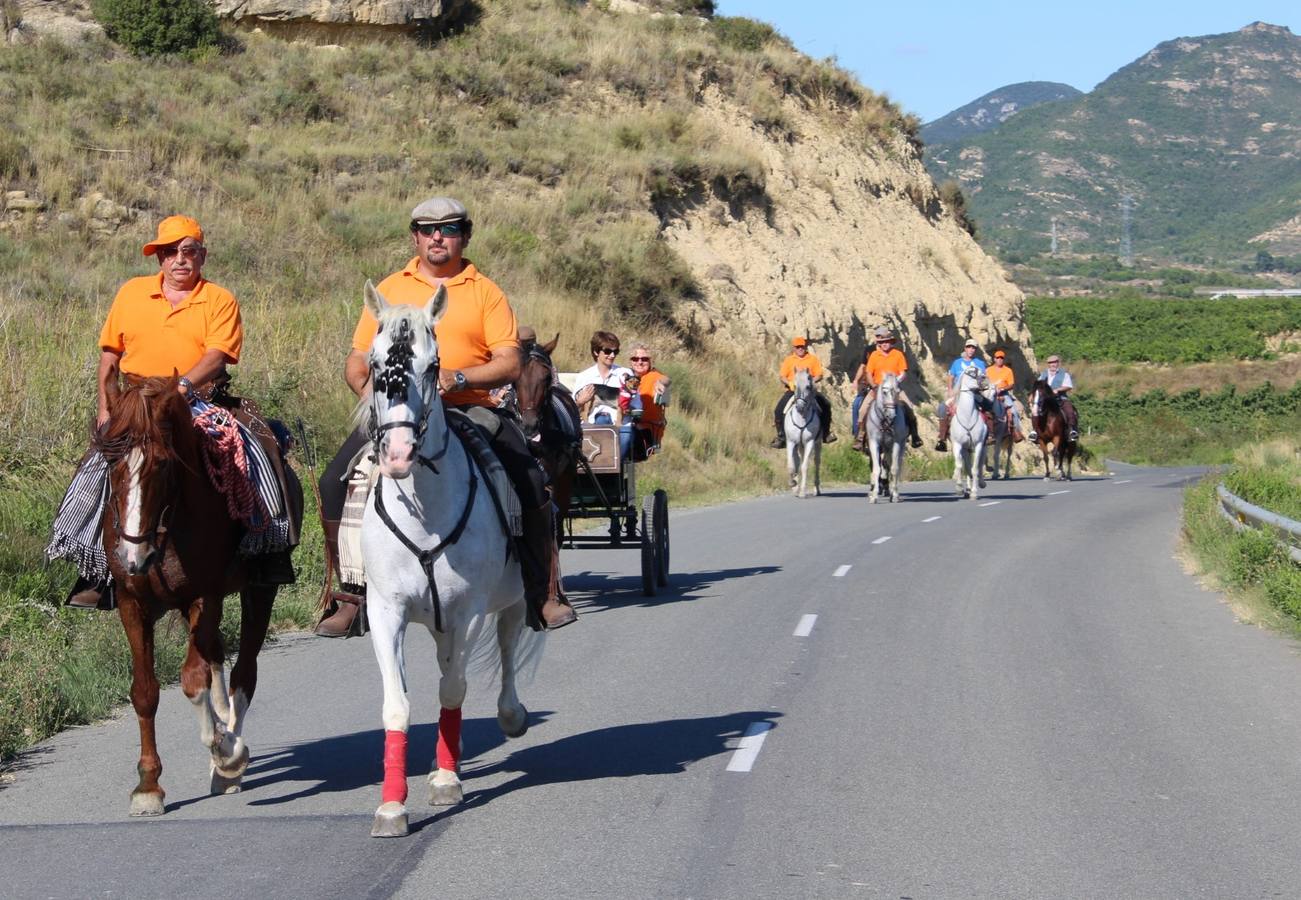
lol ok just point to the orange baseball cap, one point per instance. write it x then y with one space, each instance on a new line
174 229
799 342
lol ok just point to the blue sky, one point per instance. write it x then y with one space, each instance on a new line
932 57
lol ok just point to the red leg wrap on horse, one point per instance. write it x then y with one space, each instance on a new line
449 739
395 767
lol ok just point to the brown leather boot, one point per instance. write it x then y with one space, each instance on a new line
345 610
88 595
539 565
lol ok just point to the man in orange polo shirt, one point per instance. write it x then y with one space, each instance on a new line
886 360
173 322
1003 379
800 357
479 350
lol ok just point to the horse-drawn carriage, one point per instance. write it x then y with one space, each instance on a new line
605 488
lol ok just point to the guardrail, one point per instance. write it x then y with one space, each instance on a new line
1242 514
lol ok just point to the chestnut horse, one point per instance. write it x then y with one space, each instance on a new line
1050 430
172 544
537 394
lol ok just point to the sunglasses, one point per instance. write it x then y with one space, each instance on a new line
610 351
999 356
190 251
446 229
640 358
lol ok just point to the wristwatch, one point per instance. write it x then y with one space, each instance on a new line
185 383
460 381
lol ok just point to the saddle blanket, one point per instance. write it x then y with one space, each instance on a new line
352 566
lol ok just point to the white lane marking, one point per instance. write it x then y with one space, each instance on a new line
1055 493
932 519
881 540
748 750
1126 481
805 628
841 572
992 503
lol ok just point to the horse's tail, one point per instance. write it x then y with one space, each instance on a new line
485 655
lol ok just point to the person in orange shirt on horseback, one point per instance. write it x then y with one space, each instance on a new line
886 360
1000 375
800 358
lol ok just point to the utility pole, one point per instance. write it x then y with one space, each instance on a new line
1127 219
1054 250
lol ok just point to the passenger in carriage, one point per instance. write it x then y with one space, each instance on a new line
1060 381
480 350
800 358
603 405
174 321
653 386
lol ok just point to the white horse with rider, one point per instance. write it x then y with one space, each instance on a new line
886 429
968 430
803 428
436 552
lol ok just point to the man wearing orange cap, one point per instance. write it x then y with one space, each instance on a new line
479 349
800 358
175 321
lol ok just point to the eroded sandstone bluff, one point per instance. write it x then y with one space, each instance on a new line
844 235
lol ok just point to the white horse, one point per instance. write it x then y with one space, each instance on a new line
968 432
886 430
803 426
435 553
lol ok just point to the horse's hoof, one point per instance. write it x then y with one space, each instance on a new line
871 498
445 792
513 724
233 766
390 821
222 784
146 804
894 498
981 483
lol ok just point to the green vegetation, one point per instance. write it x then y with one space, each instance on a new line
1165 331
302 164
158 27
1251 563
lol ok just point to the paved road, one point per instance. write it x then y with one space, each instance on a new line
1025 697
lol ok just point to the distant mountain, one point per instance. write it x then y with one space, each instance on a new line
993 110
1203 135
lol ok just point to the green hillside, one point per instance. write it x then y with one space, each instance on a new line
1201 132
992 110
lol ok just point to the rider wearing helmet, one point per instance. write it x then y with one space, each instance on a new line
967 360
800 358
886 360
1060 381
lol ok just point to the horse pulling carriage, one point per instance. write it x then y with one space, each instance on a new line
605 488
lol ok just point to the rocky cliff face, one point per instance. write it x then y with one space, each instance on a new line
842 239
330 15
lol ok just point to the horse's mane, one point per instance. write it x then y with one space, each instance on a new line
142 415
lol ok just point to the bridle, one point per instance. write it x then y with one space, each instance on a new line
536 354
976 388
392 380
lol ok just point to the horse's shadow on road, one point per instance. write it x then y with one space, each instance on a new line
355 761
593 592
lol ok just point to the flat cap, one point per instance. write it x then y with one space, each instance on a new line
436 210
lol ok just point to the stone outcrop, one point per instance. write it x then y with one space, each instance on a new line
838 241
405 15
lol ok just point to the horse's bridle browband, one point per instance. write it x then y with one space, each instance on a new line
392 382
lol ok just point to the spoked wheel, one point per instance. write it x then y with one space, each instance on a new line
660 529
649 558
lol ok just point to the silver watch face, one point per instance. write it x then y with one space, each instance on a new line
460 380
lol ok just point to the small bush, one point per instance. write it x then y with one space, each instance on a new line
742 34
158 27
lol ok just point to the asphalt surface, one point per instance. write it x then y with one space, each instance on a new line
1028 698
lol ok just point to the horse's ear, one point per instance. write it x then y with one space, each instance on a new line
550 346
374 300
437 305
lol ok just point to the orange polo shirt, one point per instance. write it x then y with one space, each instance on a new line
652 415
1001 377
155 339
478 320
792 364
881 364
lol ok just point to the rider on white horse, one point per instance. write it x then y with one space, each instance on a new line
886 360
1060 381
800 358
967 360
1004 380
479 346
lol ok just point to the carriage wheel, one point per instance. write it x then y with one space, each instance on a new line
660 524
649 561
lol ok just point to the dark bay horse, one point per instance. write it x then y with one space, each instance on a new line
1050 430
172 544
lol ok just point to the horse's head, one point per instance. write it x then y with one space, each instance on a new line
887 392
148 420
1042 399
404 378
533 387
803 390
